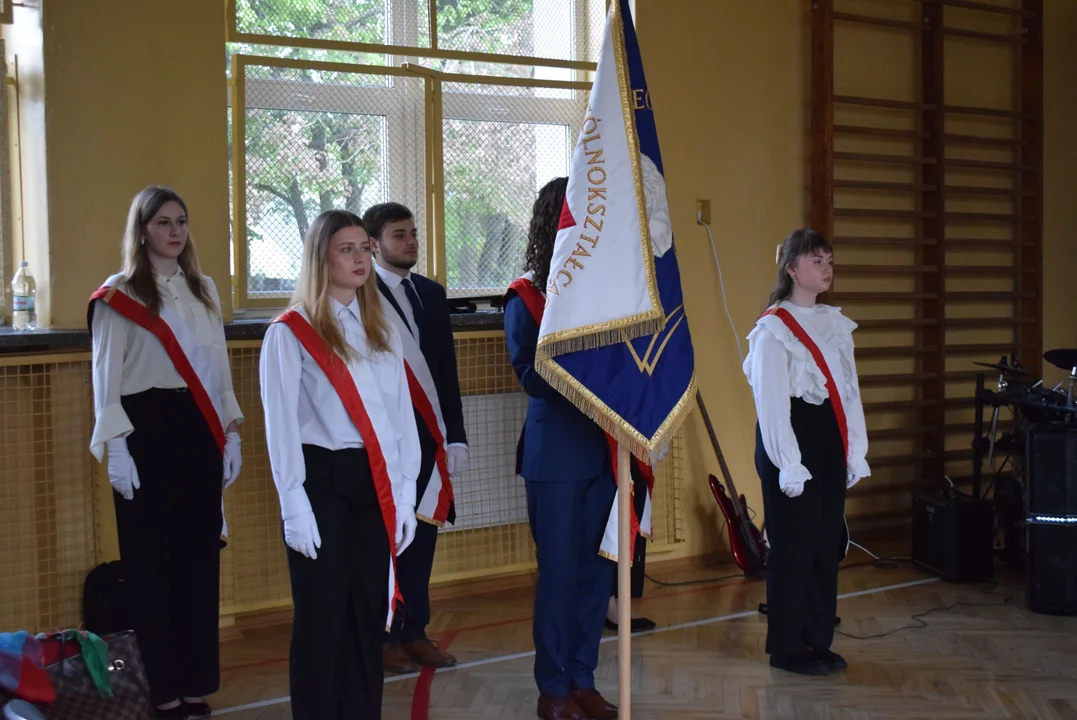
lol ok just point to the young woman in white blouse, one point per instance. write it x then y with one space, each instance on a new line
167 414
811 444
344 449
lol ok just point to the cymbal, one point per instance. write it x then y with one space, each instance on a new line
1064 358
1004 368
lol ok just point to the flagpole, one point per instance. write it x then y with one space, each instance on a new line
624 585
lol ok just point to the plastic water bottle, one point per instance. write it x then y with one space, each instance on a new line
23 290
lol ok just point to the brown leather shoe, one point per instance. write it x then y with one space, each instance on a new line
427 653
559 708
594 705
394 659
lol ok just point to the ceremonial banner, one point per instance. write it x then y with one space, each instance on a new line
614 338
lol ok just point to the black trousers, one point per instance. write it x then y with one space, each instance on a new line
169 537
415 565
340 598
639 554
805 535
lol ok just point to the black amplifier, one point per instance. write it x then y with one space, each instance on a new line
953 536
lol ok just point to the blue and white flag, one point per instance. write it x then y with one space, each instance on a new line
614 338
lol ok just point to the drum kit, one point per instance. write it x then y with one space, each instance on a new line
1033 406
1032 402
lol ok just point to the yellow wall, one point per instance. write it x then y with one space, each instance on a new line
141 99
136 96
729 87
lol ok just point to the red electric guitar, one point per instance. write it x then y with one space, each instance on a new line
746 542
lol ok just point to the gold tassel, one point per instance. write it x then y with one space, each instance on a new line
587 403
613 336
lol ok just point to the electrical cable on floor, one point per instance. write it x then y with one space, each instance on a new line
702 581
918 617
886 563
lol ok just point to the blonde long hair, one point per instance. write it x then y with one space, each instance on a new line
137 269
312 288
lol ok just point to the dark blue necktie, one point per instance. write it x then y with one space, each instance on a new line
416 306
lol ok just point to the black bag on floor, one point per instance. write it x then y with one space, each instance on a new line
104 607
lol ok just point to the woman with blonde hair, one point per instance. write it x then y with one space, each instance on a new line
167 413
344 450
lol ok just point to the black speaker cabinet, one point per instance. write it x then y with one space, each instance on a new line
1051 457
1052 567
953 536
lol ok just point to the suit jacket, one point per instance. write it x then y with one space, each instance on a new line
436 342
559 443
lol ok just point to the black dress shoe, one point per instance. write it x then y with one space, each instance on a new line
835 662
198 708
638 625
803 664
180 712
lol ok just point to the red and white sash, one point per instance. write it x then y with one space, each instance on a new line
336 370
193 366
805 338
831 386
433 506
641 524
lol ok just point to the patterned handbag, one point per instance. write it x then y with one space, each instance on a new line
77 694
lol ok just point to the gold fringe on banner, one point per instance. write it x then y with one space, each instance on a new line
652 448
599 335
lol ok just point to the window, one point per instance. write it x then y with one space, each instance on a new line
316 139
351 103
499 149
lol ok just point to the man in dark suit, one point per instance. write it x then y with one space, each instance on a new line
420 310
564 459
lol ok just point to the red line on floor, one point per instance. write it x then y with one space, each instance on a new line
420 700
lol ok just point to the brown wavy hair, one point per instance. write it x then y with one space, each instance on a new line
545 217
312 288
137 269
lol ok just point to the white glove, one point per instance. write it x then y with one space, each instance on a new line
122 473
405 528
301 534
855 471
791 480
405 517
233 458
455 460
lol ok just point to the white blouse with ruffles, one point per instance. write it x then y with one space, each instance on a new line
779 367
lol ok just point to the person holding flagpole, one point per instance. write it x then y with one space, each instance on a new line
420 313
167 414
811 445
344 451
564 459
614 339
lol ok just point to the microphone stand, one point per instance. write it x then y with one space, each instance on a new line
977 443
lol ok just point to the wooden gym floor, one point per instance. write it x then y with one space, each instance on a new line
991 658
